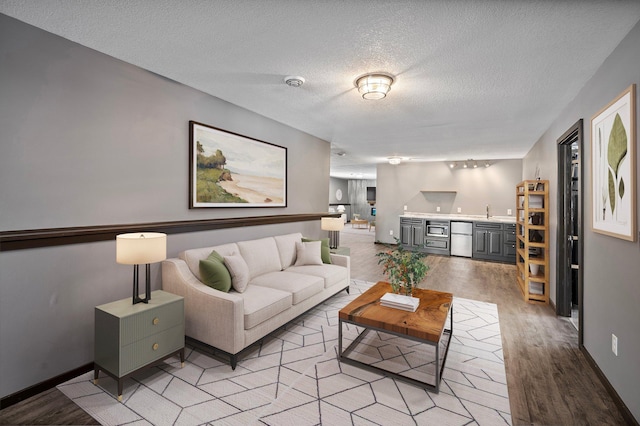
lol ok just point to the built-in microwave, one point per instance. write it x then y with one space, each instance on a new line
435 229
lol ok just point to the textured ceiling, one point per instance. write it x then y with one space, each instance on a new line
474 79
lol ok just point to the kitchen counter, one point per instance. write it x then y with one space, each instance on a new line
460 217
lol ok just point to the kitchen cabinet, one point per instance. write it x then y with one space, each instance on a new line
509 242
488 241
412 233
532 240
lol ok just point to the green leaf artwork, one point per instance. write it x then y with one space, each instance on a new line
617 149
616 152
612 192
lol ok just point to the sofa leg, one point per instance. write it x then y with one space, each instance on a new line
233 360
347 289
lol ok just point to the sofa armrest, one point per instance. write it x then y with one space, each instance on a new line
341 260
211 316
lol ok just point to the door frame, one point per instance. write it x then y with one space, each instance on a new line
563 290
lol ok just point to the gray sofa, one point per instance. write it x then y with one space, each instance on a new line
278 291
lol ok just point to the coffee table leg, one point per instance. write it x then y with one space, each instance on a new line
438 367
339 339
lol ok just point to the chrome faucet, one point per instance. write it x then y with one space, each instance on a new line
487 211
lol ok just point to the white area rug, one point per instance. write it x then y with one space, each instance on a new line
294 378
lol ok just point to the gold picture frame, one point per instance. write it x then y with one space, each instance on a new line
613 171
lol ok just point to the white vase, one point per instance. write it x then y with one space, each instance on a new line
534 268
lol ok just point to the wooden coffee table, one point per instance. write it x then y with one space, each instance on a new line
425 325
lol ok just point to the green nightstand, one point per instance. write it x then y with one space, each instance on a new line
345 251
129 338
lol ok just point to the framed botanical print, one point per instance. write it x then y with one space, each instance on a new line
613 171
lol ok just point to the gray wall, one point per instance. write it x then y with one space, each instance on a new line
611 267
86 139
334 185
471 189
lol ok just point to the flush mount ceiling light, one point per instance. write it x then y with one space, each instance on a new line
294 80
395 160
375 85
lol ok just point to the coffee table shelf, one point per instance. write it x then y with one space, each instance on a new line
426 325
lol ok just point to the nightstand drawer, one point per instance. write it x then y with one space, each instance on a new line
144 324
149 349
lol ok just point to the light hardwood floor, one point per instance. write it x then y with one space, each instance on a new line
549 380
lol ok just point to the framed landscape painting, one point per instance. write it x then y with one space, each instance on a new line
613 172
231 170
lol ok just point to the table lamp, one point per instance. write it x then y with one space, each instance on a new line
334 225
137 249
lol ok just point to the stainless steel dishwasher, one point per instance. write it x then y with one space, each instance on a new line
461 239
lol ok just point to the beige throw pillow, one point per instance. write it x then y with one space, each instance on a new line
239 272
308 253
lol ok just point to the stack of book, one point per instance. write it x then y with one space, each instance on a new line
398 301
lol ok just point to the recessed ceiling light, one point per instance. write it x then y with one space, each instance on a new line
294 80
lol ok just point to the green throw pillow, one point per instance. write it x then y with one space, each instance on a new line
214 273
324 249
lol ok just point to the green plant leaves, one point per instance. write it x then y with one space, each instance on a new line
403 267
617 148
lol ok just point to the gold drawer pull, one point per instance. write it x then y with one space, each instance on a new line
156 321
155 346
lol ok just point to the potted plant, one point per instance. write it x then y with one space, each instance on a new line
404 268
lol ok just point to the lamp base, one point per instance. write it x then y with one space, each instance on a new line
136 290
334 239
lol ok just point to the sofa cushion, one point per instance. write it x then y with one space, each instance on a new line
300 286
214 273
325 252
308 253
261 256
193 256
331 274
287 248
261 303
239 272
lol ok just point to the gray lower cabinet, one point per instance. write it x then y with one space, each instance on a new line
491 240
412 233
509 243
131 337
488 241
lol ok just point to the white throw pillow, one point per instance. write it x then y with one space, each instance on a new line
239 272
308 253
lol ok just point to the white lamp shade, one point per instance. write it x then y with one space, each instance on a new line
141 248
341 208
331 224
